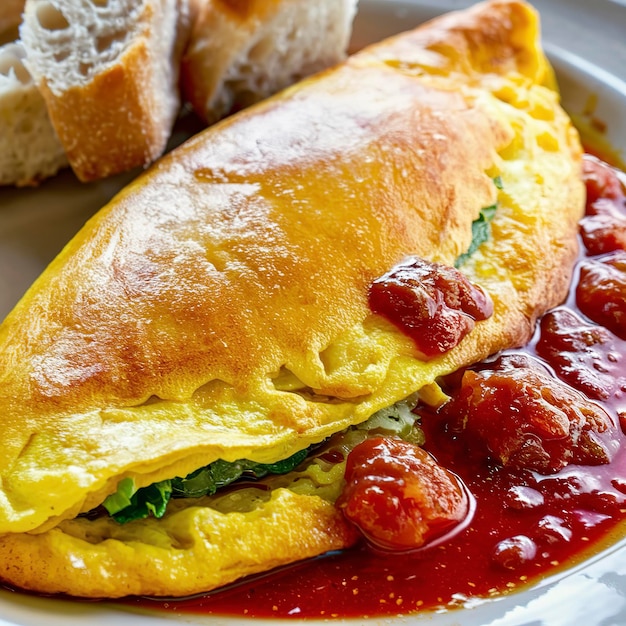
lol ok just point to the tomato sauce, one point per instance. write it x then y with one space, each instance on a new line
525 525
433 304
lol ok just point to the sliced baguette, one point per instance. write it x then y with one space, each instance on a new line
29 147
241 51
10 18
108 71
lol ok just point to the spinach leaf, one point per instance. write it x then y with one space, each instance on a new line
481 231
128 503
145 501
481 228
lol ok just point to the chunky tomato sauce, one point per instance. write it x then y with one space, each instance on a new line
433 304
536 508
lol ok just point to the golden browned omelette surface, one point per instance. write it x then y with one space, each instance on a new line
217 307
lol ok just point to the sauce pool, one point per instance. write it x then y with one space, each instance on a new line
557 518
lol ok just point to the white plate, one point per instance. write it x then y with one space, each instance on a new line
586 43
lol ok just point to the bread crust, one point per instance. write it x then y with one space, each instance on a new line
229 63
120 116
10 19
156 342
107 126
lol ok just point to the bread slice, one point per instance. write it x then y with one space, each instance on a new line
244 50
29 147
108 70
10 18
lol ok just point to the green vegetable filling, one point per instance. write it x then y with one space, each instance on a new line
128 503
481 228
481 231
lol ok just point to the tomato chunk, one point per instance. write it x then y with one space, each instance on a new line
601 291
434 304
601 180
587 356
398 496
603 229
604 232
528 419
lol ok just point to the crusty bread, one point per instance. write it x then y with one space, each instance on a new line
244 50
108 70
29 148
10 18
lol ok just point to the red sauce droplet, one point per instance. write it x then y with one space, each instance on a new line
332 456
434 304
513 552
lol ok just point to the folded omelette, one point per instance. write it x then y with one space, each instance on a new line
216 311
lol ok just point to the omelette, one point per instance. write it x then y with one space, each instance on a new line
215 319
